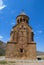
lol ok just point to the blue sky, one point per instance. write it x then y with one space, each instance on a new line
9 9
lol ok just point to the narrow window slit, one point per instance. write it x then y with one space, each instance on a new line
21 50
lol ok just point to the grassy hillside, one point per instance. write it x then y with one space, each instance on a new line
40 53
2 48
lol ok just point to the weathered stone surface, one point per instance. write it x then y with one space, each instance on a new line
21 44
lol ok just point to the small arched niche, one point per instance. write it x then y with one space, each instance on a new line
21 50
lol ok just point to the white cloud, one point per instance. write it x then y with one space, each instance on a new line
13 23
34 32
1 37
2 6
40 31
37 37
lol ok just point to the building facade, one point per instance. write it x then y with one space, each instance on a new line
21 44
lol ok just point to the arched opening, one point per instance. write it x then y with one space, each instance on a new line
27 21
21 50
18 20
23 19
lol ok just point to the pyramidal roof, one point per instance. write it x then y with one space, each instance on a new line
22 13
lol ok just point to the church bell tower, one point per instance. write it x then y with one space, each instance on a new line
21 44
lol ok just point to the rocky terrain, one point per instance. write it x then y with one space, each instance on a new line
2 48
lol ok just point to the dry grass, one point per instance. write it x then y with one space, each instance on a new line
21 63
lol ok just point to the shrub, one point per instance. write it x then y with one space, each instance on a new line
3 62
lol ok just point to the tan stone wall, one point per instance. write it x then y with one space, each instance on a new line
21 44
10 49
31 50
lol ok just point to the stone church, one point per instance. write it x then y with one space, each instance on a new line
21 44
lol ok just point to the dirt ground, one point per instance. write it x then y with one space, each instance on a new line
21 62
24 63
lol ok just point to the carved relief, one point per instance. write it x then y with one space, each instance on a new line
21 34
